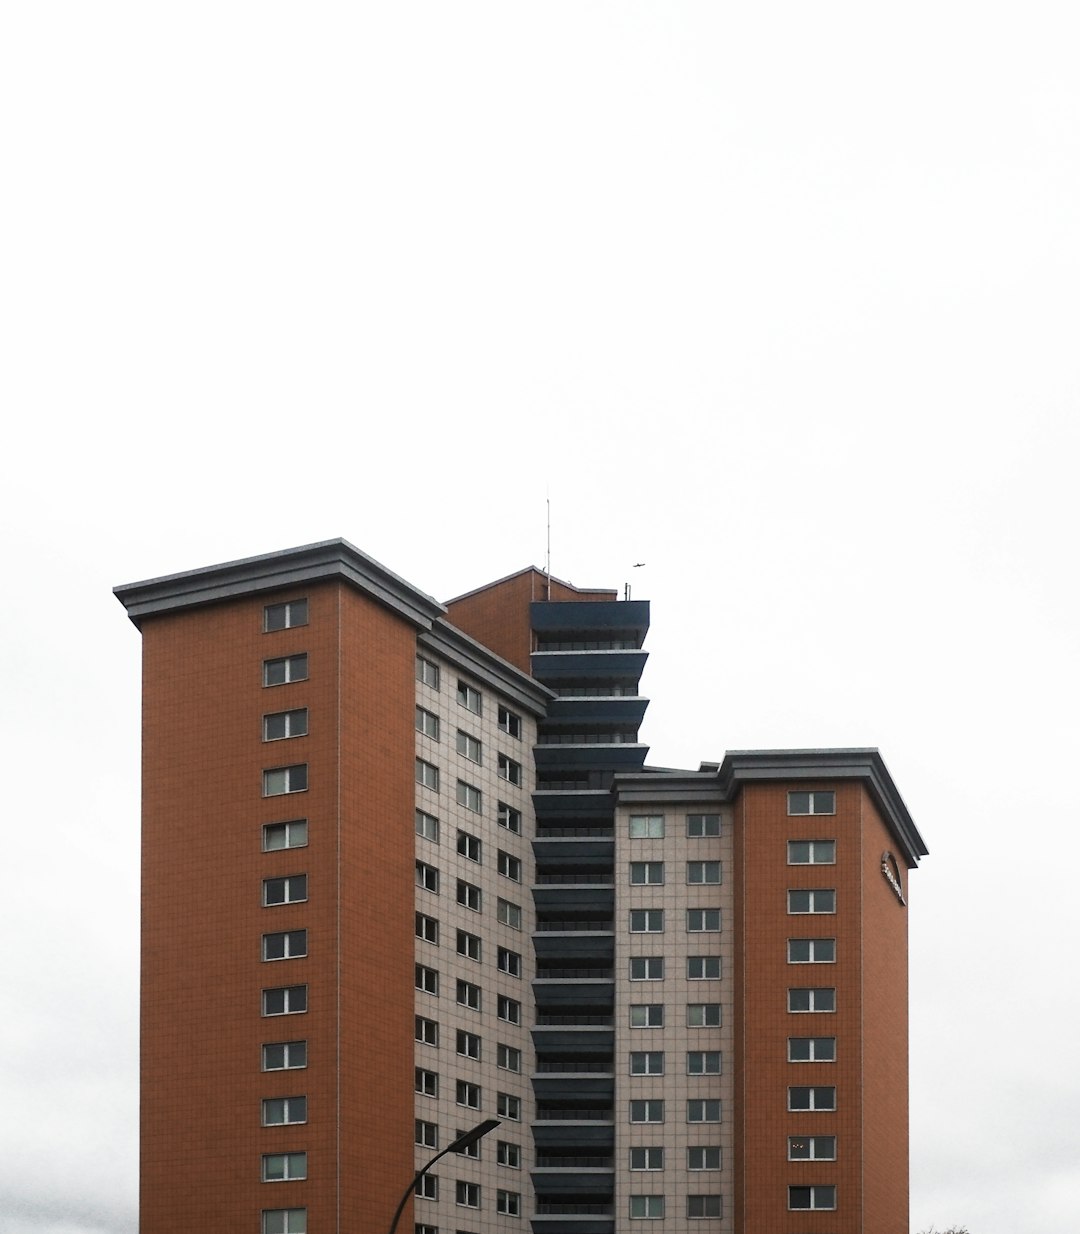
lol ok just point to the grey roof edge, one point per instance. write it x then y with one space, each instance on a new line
529 570
291 567
484 665
748 766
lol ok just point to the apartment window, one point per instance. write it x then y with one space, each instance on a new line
469 698
509 1107
811 1197
647 1015
293 834
510 770
509 818
811 1049
280 780
284 1221
811 999
701 826
427 672
811 852
468 1094
426 1134
508 1203
647 1207
427 979
508 1058
469 747
426 1031
469 945
427 876
703 1015
703 967
811 803
427 928
508 1154
703 1062
811 950
285 945
646 921
288 1000
509 721
427 723
467 1195
427 826
647 968
509 1009
811 1098
704 1206
469 846
703 920
420 1228
468 995
647 1062
698 872
469 796
646 873
283 1167
468 1045
285 616
427 775
650 1111
288 668
508 913
282 724
510 867
508 962
816 901
426 1083
427 1187
280 1110
703 1111
284 1055
468 895
651 1158
811 1148
289 890
646 826
703 1157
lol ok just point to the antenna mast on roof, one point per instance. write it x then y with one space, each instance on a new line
547 563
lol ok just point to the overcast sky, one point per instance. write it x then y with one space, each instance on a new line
782 299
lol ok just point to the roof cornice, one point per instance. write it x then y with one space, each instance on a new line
310 563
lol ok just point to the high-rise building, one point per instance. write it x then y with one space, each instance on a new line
405 869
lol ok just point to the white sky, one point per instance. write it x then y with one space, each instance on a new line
781 299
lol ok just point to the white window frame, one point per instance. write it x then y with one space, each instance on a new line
293 613
508 1009
297 827
646 1062
508 1107
427 826
471 946
427 877
509 817
470 896
707 962
427 672
293 894
646 1110
426 928
815 994
647 1207
425 1134
699 921
294 945
468 1095
821 1098
706 869
649 1015
293 1167
646 920
426 979
427 723
827 858
284 1221
293 723
295 668
510 770
704 1106
508 913
470 747
706 1159
294 1000
508 1057
470 797
646 873
647 826
814 896
508 962
468 1045
645 964
467 1194
469 846
704 1062
508 1203
294 1111
811 950
818 801
427 775
426 1031
818 1191
508 1154
288 1048
650 1156
425 1082
703 1015
704 1202
827 1053
470 698
827 1144
280 781
469 994
509 866
509 722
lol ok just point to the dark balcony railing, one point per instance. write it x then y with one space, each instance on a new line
599 879
574 974
594 1066
576 833
589 1021
574 1114
628 689
557 738
545 1162
547 1208
575 927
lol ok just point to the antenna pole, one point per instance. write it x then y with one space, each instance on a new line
547 564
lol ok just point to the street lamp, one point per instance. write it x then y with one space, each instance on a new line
464 1141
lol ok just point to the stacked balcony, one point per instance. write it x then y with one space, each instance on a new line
589 654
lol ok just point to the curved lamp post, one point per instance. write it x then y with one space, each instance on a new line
458 1146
